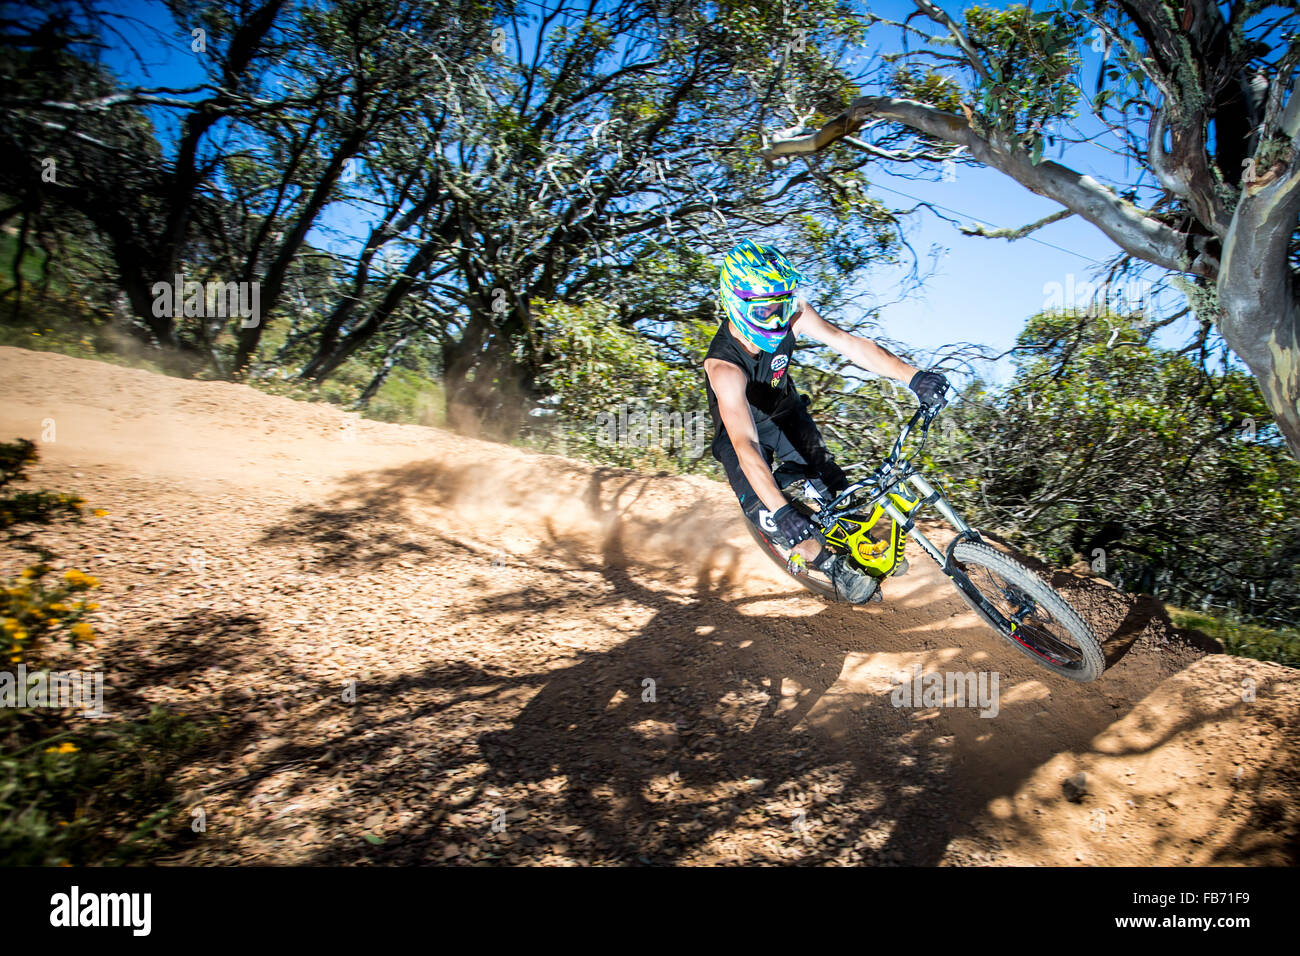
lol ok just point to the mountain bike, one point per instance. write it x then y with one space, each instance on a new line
1006 595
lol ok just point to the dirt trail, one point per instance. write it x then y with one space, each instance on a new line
501 614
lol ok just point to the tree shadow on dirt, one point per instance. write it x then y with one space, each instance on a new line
717 722
683 740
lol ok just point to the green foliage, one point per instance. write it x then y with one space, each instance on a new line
33 608
595 368
929 87
1281 645
71 792
408 397
1030 58
29 507
76 793
1107 446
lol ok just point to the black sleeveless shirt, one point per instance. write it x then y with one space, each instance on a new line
768 372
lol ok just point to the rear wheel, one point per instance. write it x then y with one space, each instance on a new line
1024 609
815 582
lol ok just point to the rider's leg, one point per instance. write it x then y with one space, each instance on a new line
812 550
799 429
850 583
804 454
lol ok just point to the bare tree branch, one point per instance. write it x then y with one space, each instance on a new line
1019 233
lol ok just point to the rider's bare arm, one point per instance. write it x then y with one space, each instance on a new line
862 352
729 386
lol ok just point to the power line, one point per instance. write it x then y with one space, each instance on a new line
966 215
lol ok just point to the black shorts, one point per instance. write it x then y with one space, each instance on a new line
788 436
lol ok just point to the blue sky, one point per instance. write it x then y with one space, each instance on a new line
983 289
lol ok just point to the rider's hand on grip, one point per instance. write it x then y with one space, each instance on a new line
930 388
792 525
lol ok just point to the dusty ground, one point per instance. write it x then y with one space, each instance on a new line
498 616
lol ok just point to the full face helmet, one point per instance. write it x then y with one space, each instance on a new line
757 289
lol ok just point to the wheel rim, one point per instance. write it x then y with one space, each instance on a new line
1028 623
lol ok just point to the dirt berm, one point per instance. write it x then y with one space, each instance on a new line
432 649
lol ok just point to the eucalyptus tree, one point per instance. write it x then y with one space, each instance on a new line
226 179
607 153
1200 98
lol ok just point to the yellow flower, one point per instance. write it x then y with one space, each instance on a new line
83 631
79 579
67 747
99 512
28 574
57 608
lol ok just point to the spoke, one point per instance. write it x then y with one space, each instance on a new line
1032 622
1049 642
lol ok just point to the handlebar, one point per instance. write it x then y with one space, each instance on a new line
925 414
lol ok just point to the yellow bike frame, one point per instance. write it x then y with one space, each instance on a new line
879 558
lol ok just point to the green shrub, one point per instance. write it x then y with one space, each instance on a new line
1243 639
72 791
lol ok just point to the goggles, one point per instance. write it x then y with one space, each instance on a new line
768 312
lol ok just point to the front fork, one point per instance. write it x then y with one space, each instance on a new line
927 494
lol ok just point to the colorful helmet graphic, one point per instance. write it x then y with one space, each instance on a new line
756 287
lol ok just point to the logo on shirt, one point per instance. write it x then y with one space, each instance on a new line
779 363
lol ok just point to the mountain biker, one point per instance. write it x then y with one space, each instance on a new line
759 416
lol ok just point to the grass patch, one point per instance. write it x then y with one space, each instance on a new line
407 396
1281 646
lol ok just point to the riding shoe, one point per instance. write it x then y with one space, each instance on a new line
851 585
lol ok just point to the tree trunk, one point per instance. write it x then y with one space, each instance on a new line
273 280
322 366
488 392
1257 295
390 359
